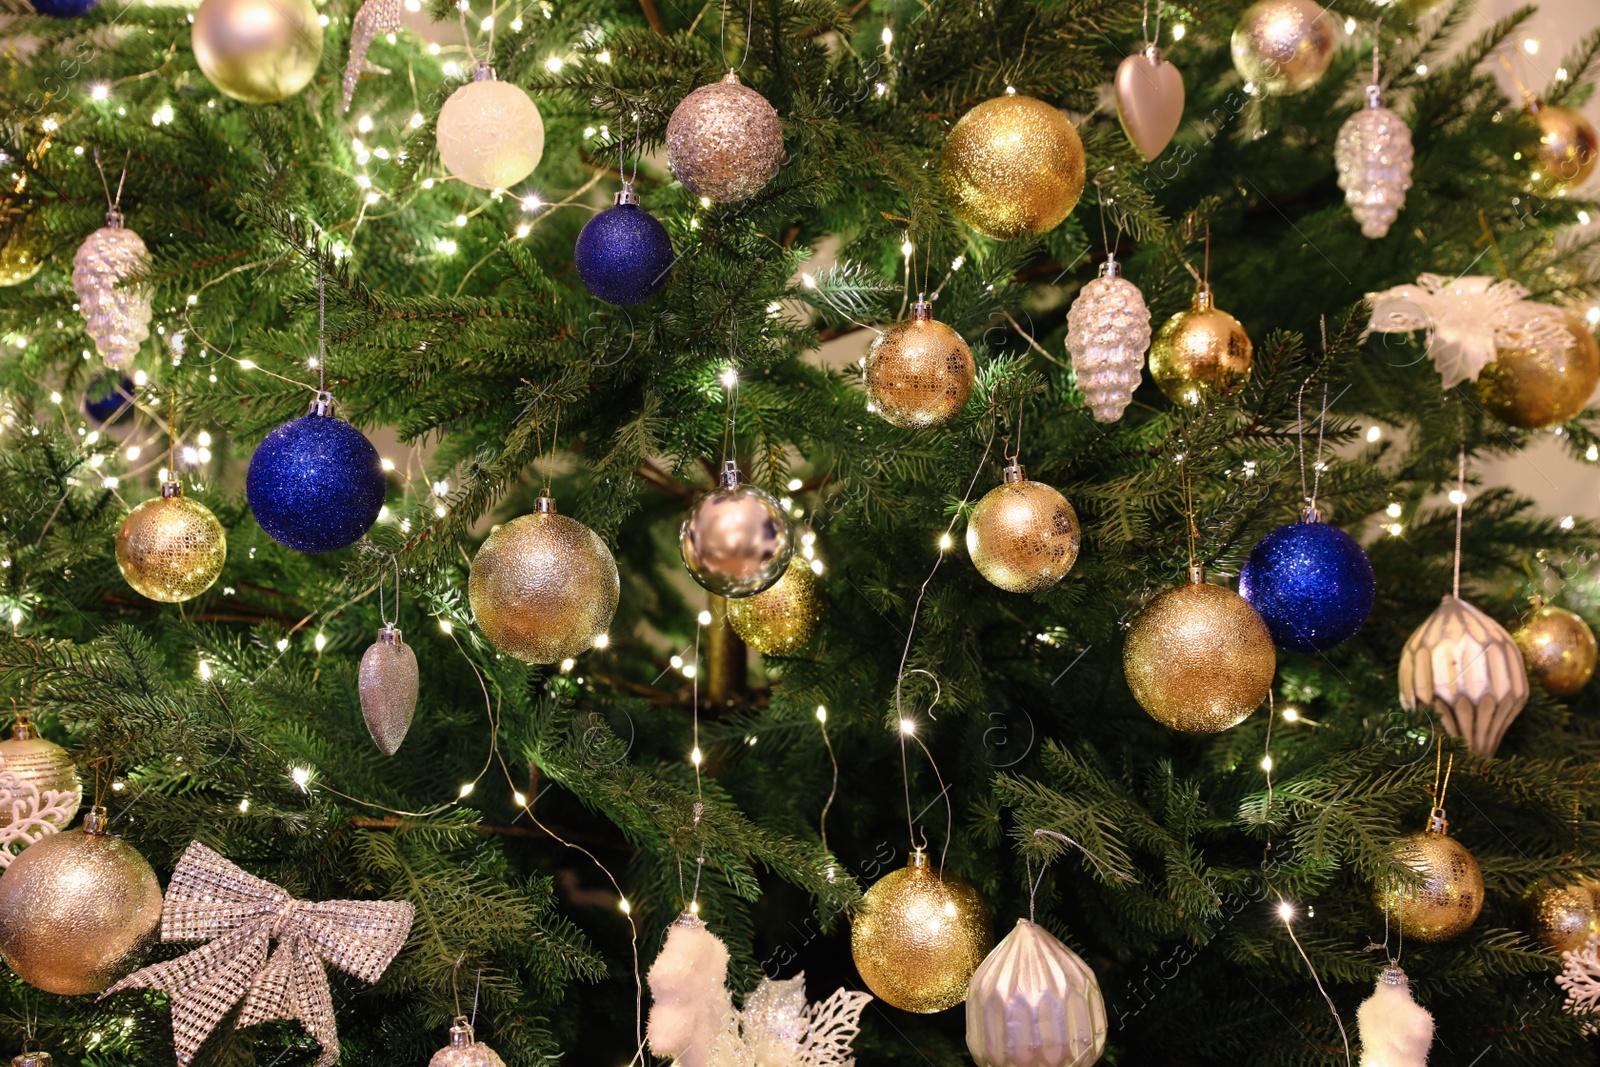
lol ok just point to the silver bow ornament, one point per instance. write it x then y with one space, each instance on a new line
238 915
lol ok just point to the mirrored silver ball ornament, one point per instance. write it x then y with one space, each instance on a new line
1373 157
736 541
724 140
107 275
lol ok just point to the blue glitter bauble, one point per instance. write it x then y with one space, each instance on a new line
1311 584
315 484
108 400
624 255
63 9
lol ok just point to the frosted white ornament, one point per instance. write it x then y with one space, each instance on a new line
1108 333
1034 1003
1373 156
778 1027
108 276
490 132
1467 319
1394 1030
688 985
1469 669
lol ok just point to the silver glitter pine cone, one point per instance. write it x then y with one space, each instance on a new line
388 685
736 540
107 274
724 140
1373 156
464 1050
1108 333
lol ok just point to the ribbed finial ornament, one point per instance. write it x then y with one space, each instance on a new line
1034 1003
1465 665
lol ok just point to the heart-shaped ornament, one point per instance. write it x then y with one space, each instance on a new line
1149 100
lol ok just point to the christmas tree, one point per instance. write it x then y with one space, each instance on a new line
993 680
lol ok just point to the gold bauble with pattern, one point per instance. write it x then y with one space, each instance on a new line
1283 46
1567 151
171 548
1559 649
1566 916
23 246
1449 896
782 620
1023 536
919 373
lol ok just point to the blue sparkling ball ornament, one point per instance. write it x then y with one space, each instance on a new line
63 9
109 400
1311 584
624 254
315 484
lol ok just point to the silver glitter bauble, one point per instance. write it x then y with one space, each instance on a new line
1108 333
107 274
465 1051
1465 665
1373 155
736 540
490 133
1034 1003
388 684
724 140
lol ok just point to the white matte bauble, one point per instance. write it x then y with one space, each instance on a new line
1034 1003
258 51
1469 669
491 135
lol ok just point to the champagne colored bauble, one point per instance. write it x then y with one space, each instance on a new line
1013 166
1023 536
1536 388
736 541
388 687
257 51
1149 93
1450 895
919 935
1558 648
77 909
919 372
464 1050
1201 354
782 620
23 252
1568 149
171 548
490 133
1566 916
543 586
724 140
1465 665
1198 658
1035 1003
44 764
1283 46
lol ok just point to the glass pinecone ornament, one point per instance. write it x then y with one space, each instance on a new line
1108 333
1567 150
490 132
736 541
1034 1003
919 935
107 275
1311 583
1449 897
316 484
464 1050
624 255
1465 665
1373 156
919 373
1558 648
171 548
1202 354
1535 387
1566 916
724 140
1283 46
782 620
1023 536
1013 166
388 687
41 762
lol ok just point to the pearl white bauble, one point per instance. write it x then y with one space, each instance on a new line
490 133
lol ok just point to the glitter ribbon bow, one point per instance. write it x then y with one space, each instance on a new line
238 914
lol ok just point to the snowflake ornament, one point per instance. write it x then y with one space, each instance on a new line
780 1028
1580 977
30 812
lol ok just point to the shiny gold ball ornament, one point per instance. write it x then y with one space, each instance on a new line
77 909
1013 166
724 140
1023 536
1558 648
543 587
782 620
23 251
1565 916
1201 354
171 548
920 372
1450 895
1567 151
1283 46
42 763
919 935
1536 388
1198 658
257 51
490 133
736 541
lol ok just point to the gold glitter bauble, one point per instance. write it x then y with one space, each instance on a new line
1568 149
1198 658
42 762
1012 166
781 620
919 372
1200 354
258 51
919 935
23 252
1533 388
1283 46
1023 536
724 140
1448 899
171 548
543 586
1559 649
1565 916
77 910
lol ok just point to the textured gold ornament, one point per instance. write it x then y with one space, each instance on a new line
1535 388
1201 354
490 133
1198 658
736 541
171 548
1012 166
23 252
388 687
1568 149
782 620
1450 895
32 1058
45 765
1558 648
1565 916
1023 536
1469 669
1283 46
543 586
724 140
258 51
919 372
919 935
464 1050
77 909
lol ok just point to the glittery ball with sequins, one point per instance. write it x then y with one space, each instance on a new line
315 484
171 548
724 140
1311 584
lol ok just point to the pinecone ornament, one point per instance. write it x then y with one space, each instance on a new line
107 274
1373 155
1108 332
